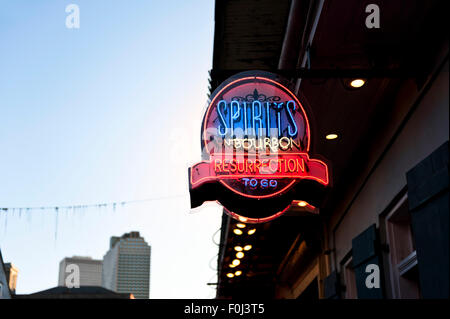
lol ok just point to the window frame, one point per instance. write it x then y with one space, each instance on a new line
400 263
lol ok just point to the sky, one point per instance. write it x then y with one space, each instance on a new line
108 112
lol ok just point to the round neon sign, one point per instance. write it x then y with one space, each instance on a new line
255 142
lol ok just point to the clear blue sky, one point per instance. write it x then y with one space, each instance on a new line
108 112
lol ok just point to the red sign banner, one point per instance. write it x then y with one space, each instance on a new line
263 169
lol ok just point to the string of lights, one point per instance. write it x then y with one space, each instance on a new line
98 205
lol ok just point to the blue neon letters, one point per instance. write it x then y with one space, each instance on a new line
256 118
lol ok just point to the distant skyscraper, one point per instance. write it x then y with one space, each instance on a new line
126 266
90 270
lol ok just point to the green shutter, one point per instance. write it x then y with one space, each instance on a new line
331 286
365 251
428 198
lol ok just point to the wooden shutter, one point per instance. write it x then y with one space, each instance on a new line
331 286
365 251
428 199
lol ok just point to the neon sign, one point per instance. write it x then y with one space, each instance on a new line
256 144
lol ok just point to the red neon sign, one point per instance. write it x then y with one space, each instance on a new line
256 142
293 166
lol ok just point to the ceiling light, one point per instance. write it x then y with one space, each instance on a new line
238 273
237 231
247 247
238 248
240 254
230 275
251 231
357 83
242 219
232 266
331 136
240 225
302 204
236 262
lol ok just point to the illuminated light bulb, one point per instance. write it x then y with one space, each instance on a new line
331 136
238 248
240 225
247 247
232 266
240 255
243 219
302 204
236 262
237 231
230 275
251 231
357 83
238 273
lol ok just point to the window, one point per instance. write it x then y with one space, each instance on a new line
402 252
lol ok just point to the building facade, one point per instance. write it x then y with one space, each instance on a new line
126 266
4 284
90 270
382 230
